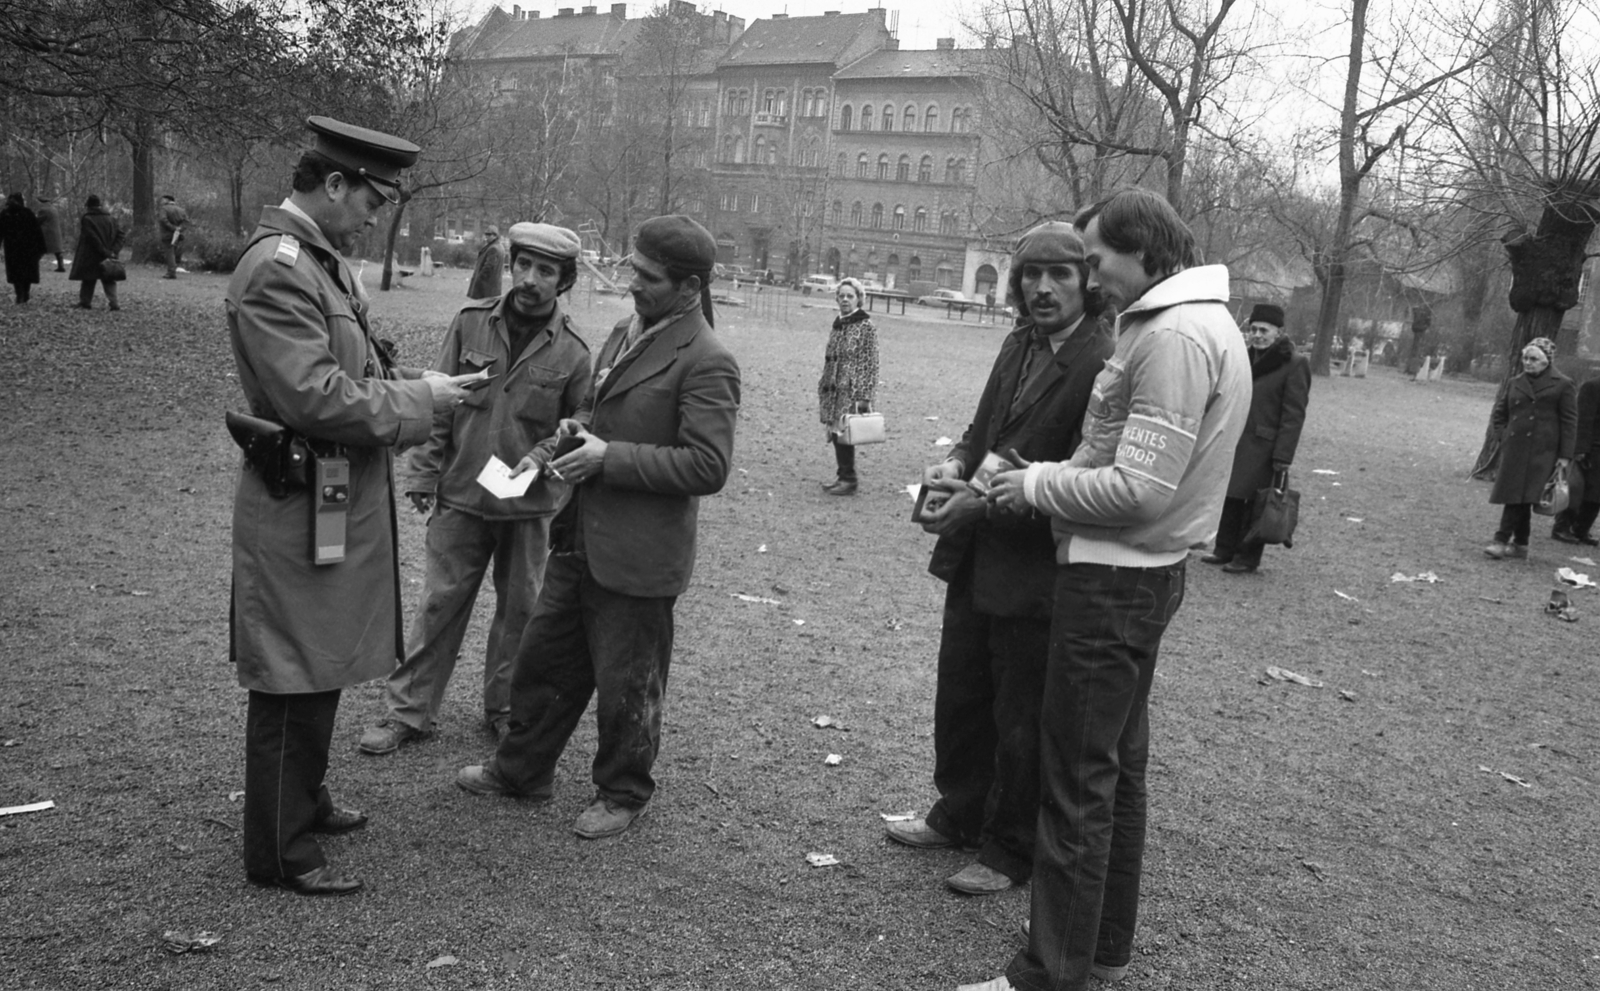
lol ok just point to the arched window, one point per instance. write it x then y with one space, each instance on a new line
855 214
914 269
877 215
930 120
861 166
925 169
840 164
919 222
899 218
883 166
772 152
767 102
783 101
837 213
947 223
760 150
738 148
958 172
902 170
893 262
888 117
909 123
866 117
844 118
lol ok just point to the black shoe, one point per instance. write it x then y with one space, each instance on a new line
1238 567
341 821
322 881
1586 540
1564 535
1216 557
841 488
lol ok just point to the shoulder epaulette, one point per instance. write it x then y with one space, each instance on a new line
288 250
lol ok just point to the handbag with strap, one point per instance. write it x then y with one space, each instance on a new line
112 270
1556 495
856 429
1275 513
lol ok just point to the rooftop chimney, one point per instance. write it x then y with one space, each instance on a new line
532 15
619 10
590 9
780 17
830 13
564 12
944 44
516 12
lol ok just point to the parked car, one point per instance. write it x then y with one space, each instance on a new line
943 297
590 256
737 272
819 283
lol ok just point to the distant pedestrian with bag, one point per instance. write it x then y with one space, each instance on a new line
24 246
50 227
173 219
849 379
1536 415
1573 525
99 242
1280 388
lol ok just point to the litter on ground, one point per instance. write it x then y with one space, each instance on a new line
822 860
176 942
1323 471
755 598
1509 777
832 760
1284 674
1347 598
1570 577
1424 576
943 442
897 816
16 810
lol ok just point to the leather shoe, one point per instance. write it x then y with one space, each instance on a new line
1517 550
1496 550
387 737
481 779
1216 557
1238 567
979 879
917 833
840 488
604 818
1564 535
323 880
341 821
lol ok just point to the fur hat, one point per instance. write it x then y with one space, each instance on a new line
1267 313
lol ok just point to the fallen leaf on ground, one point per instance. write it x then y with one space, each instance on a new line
1284 674
444 961
832 760
821 859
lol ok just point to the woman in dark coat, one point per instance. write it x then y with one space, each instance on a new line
1537 417
1573 525
24 245
849 378
1281 387
99 239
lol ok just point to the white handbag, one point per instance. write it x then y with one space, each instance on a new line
856 429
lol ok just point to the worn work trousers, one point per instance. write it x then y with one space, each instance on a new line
986 730
583 640
1094 746
285 760
460 547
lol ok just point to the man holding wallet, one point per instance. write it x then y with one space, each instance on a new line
538 370
1000 567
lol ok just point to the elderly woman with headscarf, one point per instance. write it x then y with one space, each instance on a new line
24 245
1536 414
849 378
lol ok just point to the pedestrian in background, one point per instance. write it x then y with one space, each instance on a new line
849 379
1536 414
1280 388
99 241
50 227
485 282
173 220
24 245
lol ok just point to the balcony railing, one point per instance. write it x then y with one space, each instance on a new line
777 120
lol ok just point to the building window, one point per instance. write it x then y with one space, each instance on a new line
840 164
837 213
855 214
919 222
783 101
755 202
888 118
883 166
877 216
947 223
866 117
910 121
893 262
902 169
760 149
899 218
925 169
844 118
914 268
767 102
946 276
861 166
955 170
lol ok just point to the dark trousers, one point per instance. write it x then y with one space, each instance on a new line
174 255
86 292
986 730
24 290
1577 520
1516 519
285 759
1094 746
1231 530
585 639
845 455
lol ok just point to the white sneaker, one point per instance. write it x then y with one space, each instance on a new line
183 270
998 984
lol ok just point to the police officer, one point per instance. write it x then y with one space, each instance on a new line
301 631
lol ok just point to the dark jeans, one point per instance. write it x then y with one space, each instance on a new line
86 292
845 455
584 639
1094 745
1516 519
1231 529
174 255
986 730
285 759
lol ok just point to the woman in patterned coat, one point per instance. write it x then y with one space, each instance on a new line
849 379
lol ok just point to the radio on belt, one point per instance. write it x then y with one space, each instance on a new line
330 507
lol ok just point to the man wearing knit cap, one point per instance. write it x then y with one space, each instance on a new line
539 374
1001 568
655 434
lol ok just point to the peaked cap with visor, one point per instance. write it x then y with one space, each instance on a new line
374 156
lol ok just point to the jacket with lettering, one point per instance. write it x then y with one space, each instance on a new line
1167 410
517 413
306 359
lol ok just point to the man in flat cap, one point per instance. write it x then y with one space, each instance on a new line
539 370
1001 569
485 283
316 591
657 433
172 220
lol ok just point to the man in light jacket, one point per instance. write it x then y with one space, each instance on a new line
1142 491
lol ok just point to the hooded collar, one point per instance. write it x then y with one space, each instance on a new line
1201 284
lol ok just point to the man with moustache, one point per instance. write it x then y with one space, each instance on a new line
1001 570
539 374
1143 490
656 433
310 615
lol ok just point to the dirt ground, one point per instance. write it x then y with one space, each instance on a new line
1424 821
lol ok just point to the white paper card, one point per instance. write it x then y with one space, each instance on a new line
496 477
